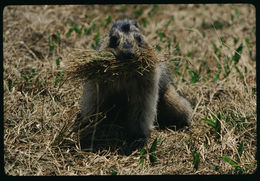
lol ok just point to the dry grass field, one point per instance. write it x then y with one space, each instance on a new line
212 53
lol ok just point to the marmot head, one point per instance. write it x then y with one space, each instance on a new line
125 40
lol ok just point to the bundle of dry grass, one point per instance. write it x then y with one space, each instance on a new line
103 65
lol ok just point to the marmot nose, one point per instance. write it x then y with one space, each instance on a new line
127 50
128 53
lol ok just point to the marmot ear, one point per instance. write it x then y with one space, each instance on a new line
136 25
103 43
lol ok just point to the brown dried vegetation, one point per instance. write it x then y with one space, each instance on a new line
208 66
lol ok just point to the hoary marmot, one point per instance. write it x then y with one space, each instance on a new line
141 99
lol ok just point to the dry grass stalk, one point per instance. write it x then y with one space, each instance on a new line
103 65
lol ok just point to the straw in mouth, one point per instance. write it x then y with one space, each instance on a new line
103 65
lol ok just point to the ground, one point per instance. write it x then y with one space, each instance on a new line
212 52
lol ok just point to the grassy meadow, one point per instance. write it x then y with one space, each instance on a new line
211 49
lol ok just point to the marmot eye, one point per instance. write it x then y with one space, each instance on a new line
113 42
138 38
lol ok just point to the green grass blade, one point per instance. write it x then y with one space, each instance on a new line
152 158
57 63
239 72
154 145
108 20
152 155
241 148
218 126
232 163
76 29
26 79
194 76
229 160
196 159
214 117
237 54
142 156
209 122
69 32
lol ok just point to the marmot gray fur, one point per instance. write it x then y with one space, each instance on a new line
141 99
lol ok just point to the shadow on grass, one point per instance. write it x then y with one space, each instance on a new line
104 132
107 133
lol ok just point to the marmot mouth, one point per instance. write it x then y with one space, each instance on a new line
127 56
124 57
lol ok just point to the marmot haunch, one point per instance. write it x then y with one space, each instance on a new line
140 99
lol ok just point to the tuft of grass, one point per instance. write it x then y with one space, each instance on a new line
90 29
161 36
108 19
151 152
114 172
233 163
26 79
215 123
169 22
96 41
54 40
153 10
218 25
158 47
122 8
194 76
74 28
138 11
